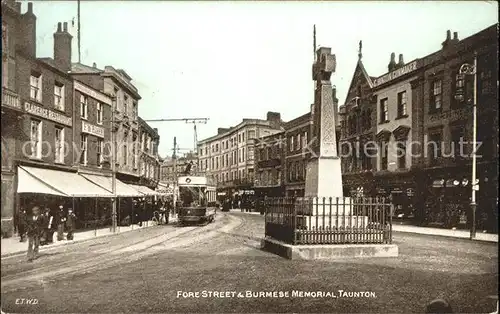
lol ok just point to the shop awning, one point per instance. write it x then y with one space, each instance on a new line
144 190
47 181
122 189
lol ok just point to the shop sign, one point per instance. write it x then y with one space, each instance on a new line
438 183
47 114
92 129
452 115
396 191
410 67
221 193
90 92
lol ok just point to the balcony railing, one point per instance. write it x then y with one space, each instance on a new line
10 99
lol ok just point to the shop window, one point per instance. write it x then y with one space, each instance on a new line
100 148
36 139
59 96
402 109
99 113
384 158
291 144
436 101
83 106
458 149
384 110
401 155
434 145
83 149
36 86
59 144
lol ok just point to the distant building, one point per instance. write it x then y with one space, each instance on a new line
229 155
148 160
269 158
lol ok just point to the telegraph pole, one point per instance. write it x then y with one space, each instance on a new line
174 157
113 164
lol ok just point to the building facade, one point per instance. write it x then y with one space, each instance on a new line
393 134
443 118
147 157
269 163
297 135
118 84
229 155
357 130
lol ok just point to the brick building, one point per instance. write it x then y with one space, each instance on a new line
269 158
357 128
148 160
443 114
229 155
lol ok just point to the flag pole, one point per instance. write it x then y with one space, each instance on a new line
79 49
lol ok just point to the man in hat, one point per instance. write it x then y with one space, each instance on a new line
70 224
61 221
34 230
21 225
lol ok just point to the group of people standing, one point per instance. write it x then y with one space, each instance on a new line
40 225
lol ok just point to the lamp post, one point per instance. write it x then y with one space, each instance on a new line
113 164
471 69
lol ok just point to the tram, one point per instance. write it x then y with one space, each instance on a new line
197 200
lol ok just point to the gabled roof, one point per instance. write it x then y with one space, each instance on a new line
359 68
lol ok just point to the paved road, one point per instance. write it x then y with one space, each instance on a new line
156 269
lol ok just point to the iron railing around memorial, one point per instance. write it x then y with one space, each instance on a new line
339 220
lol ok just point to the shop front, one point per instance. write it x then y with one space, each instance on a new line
448 193
358 184
398 188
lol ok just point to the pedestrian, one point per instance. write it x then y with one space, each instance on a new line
34 228
45 221
61 221
21 225
51 226
70 224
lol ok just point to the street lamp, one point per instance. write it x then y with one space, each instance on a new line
471 69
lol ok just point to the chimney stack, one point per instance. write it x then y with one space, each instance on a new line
28 31
401 61
448 39
334 94
62 47
94 65
392 64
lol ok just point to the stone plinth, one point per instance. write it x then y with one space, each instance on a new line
329 251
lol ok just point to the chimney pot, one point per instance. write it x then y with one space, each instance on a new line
448 35
18 7
401 62
65 26
30 7
59 27
455 36
94 65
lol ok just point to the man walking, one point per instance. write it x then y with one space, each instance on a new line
61 221
34 230
21 226
51 226
70 224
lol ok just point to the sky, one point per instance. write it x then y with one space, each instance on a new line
232 60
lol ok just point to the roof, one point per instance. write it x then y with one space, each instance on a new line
82 68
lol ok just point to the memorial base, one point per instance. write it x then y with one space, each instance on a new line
328 251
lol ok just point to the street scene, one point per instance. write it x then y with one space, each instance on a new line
168 157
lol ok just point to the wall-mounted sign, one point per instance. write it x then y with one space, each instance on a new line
92 93
47 114
451 115
92 129
410 67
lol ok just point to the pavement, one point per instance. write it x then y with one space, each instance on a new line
463 234
12 246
